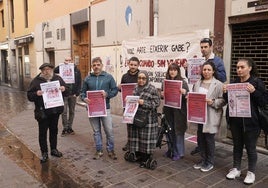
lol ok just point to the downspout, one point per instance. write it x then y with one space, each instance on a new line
8 23
8 41
155 11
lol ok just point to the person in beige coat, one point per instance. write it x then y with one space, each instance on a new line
212 87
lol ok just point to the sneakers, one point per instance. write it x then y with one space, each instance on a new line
206 167
98 155
203 166
233 173
250 178
70 131
112 155
56 153
198 166
44 157
64 132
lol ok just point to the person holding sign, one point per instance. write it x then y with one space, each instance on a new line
96 81
209 85
142 140
245 130
130 77
206 48
72 77
46 118
176 117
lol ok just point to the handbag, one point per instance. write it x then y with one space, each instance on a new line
140 118
39 114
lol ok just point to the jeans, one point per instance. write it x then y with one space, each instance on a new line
247 138
106 122
51 123
207 145
180 149
69 105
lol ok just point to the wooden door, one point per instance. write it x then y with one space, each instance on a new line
81 48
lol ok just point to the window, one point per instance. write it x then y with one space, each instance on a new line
2 18
12 16
26 13
100 28
48 34
62 34
26 50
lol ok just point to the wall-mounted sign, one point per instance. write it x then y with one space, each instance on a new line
128 15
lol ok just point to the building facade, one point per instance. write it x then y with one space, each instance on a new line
34 32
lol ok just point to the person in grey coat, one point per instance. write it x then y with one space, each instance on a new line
213 88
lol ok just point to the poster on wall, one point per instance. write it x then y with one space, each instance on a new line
156 53
110 59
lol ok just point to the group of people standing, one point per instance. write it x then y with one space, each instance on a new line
142 141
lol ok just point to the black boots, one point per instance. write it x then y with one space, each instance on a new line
56 153
44 157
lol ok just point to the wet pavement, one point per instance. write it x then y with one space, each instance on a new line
77 168
20 167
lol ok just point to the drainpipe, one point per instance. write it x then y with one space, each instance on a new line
8 23
156 10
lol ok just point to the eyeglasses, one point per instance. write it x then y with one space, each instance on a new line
142 78
68 60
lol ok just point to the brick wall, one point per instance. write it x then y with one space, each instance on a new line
251 40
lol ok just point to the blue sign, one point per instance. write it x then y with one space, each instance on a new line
128 15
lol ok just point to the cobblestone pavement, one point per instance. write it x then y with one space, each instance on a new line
77 163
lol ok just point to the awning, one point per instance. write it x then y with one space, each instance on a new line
23 39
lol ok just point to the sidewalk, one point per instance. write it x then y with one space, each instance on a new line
78 150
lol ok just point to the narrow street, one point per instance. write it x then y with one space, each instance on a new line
20 166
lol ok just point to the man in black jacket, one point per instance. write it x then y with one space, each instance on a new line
72 77
46 118
130 77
